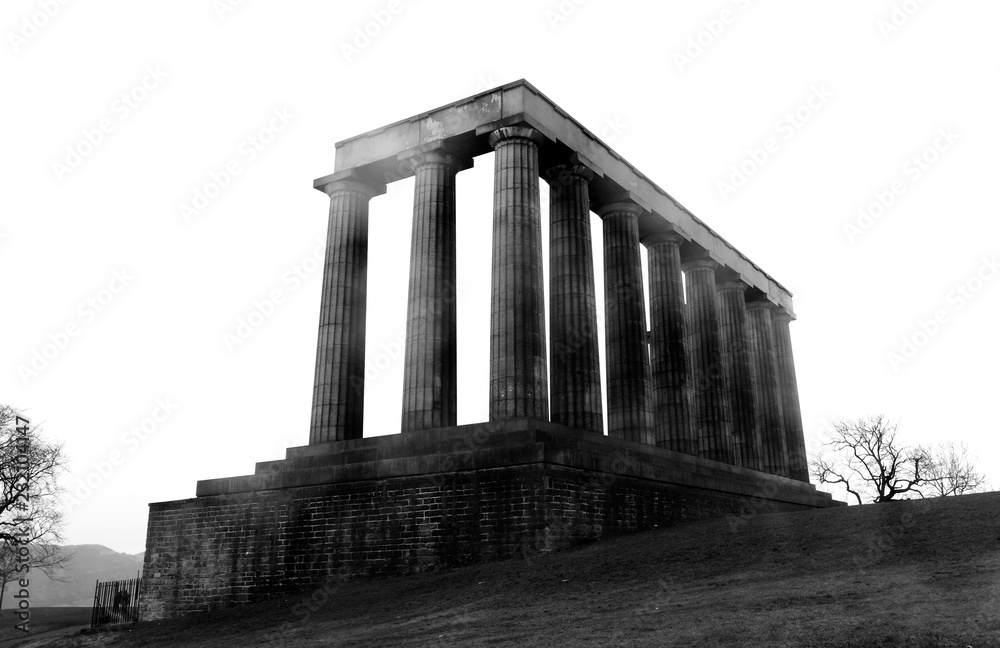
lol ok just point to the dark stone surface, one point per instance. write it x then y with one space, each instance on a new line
710 411
339 383
430 371
630 393
518 366
738 374
428 500
798 466
667 353
576 370
764 363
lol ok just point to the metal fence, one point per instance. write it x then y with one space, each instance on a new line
116 602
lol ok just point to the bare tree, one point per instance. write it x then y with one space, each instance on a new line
864 457
951 471
30 519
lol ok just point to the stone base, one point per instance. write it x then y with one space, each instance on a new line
427 500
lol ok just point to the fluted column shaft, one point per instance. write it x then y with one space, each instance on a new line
798 467
576 371
738 374
430 374
764 362
668 357
339 384
709 404
630 414
518 371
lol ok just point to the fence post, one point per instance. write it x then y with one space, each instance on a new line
93 615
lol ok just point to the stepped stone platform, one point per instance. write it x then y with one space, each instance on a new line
428 500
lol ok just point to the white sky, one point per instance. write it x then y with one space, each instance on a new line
612 65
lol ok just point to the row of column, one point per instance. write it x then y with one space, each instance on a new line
715 378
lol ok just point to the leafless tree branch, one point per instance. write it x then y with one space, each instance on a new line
864 456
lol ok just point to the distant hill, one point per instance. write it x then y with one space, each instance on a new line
89 563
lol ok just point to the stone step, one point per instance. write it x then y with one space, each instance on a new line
477 447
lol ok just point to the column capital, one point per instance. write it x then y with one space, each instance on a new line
760 303
515 132
669 236
698 263
728 279
350 181
737 284
435 154
621 206
781 315
557 173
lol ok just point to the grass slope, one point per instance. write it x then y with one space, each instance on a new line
920 573
45 622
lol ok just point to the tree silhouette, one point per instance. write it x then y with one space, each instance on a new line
952 471
864 457
30 520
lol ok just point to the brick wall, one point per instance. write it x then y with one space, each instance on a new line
212 551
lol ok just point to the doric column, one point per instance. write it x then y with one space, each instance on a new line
339 385
798 467
668 357
430 373
576 371
518 372
709 405
737 372
630 414
764 362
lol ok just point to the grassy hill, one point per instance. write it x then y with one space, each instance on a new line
46 624
920 573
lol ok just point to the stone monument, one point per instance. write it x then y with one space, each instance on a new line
702 403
